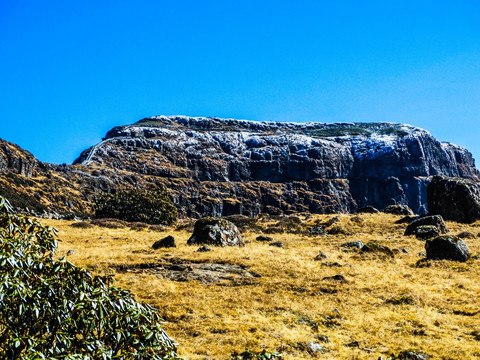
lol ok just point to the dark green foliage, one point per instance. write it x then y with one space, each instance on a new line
252 355
152 206
51 309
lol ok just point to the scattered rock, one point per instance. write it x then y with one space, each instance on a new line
323 338
330 264
277 244
264 238
375 247
411 355
425 232
398 209
406 220
466 235
166 242
204 249
315 230
368 210
337 277
435 220
353 344
217 232
321 256
448 247
338 229
331 221
454 198
352 245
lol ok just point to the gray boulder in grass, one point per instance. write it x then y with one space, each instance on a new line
215 232
425 232
447 247
435 220
398 209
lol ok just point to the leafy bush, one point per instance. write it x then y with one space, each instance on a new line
52 309
151 206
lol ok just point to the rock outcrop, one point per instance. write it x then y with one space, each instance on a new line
220 167
454 198
251 167
216 232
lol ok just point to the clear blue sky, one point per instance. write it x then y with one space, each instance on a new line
71 70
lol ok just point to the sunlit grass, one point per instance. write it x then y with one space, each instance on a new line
385 304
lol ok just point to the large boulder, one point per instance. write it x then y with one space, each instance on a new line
398 209
216 232
435 220
166 242
449 247
454 198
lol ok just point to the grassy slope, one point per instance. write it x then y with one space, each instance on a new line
289 304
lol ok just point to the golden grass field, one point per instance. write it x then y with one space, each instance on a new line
384 305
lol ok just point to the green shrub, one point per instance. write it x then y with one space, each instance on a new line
51 309
151 206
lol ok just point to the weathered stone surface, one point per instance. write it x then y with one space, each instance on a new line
216 232
425 232
375 247
455 199
166 242
448 247
398 209
220 167
435 220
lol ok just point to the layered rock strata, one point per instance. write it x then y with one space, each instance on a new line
220 167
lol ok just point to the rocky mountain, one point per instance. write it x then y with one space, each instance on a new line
221 167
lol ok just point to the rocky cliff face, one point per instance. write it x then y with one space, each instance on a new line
224 166
220 167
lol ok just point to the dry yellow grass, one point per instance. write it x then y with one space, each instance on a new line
385 304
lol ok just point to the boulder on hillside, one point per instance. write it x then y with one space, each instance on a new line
448 247
375 247
425 232
435 220
216 232
455 199
367 210
466 235
166 242
398 209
